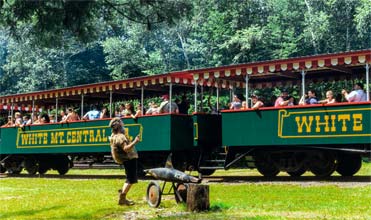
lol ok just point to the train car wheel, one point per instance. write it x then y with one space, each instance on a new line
298 172
207 172
2 169
63 168
13 167
323 164
349 164
153 195
31 166
265 166
181 193
43 168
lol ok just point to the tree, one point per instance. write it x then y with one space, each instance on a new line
45 21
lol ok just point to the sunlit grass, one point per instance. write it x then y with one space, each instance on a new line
42 198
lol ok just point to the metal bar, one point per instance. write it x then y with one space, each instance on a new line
202 98
227 166
11 109
302 83
142 100
368 82
195 96
82 105
33 110
110 103
217 98
170 96
56 110
247 90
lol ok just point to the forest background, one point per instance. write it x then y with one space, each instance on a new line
54 44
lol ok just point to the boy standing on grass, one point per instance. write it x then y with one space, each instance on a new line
124 152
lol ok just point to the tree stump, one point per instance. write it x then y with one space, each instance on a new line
198 197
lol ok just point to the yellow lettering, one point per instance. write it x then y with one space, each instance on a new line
73 133
78 136
104 137
304 122
54 138
357 122
34 139
333 118
24 138
91 134
68 137
325 123
45 139
86 133
61 137
344 118
98 137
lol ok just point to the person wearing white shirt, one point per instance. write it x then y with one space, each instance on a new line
357 95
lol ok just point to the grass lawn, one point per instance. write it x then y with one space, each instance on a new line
42 198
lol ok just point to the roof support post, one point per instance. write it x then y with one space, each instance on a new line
56 110
195 110
217 98
170 96
302 83
82 104
142 100
110 103
11 109
368 81
33 110
247 89
202 98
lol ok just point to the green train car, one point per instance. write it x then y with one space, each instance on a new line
321 138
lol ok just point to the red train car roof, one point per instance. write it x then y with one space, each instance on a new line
265 73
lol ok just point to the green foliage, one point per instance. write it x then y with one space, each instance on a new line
133 38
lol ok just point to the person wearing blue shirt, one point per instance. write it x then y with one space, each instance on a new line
92 114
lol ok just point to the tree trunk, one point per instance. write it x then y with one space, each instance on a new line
198 197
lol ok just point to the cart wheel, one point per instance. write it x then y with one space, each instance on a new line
153 194
181 193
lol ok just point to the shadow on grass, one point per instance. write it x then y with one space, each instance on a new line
27 213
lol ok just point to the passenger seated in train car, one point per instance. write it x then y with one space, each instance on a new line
282 99
183 105
121 110
52 119
44 118
237 102
37 119
329 98
104 113
26 121
256 102
309 99
129 110
291 100
63 115
10 122
93 114
138 112
18 119
357 95
153 109
71 116
165 106
244 105
117 112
